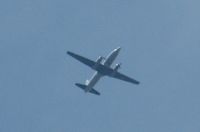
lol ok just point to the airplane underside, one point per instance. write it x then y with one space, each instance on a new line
102 66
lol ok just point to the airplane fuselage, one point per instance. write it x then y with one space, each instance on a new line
97 75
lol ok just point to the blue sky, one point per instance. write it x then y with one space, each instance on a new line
160 48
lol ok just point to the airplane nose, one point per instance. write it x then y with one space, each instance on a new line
118 49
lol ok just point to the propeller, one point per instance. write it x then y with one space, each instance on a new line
117 66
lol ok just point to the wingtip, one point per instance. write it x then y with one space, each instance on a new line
68 52
136 82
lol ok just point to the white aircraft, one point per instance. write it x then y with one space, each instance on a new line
102 66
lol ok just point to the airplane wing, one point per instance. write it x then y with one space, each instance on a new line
103 69
82 59
120 76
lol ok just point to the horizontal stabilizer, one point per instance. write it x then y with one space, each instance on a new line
94 92
82 86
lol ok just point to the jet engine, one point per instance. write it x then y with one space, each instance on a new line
115 69
98 62
117 66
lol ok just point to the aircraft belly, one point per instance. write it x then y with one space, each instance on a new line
111 57
95 78
109 61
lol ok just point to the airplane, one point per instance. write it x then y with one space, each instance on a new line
102 67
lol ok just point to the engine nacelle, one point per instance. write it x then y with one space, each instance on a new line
98 62
100 59
117 66
87 82
115 69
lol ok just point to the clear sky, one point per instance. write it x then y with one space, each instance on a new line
160 42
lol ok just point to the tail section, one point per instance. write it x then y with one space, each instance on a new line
94 92
82 86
